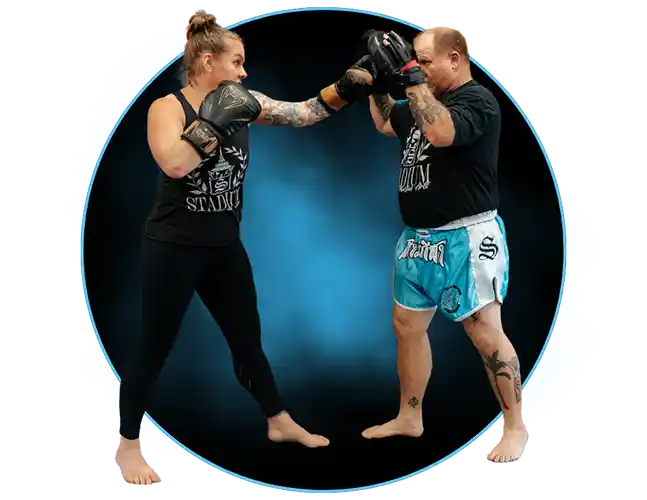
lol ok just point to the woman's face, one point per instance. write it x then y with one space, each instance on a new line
228 65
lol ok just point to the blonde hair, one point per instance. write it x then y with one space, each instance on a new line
204 35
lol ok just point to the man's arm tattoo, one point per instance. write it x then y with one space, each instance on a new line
291 114
425 109
385 105
506 369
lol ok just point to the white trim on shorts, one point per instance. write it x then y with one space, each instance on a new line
487 292
477 309
464 222
415 308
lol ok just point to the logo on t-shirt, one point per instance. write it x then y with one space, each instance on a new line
216 187
425 250
414 174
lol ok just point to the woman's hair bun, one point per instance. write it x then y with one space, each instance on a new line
200 22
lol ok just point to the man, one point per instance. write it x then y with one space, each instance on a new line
452 254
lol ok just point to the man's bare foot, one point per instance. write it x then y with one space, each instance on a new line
397 427
134 468
282 428
511 445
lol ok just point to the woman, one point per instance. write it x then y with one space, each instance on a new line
199 138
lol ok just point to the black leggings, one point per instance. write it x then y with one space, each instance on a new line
222 277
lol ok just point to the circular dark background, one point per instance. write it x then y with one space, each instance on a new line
320 224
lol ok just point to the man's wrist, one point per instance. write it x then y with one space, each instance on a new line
412 76
411 64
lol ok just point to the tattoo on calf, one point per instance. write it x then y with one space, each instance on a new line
424 110
513 364
413 402
498 369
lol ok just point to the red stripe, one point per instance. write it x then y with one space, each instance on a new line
553 40
410 64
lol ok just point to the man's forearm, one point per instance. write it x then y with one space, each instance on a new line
431 117
384 105
380 108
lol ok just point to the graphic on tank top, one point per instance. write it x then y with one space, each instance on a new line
414 172
216 186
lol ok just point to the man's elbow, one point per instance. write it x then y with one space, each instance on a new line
440 138
384 128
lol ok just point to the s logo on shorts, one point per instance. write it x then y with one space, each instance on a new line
488 249
450 299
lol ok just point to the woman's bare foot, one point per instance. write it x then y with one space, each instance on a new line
133 467
282 428
399 426
511 445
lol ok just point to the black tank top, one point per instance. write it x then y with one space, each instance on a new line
203 208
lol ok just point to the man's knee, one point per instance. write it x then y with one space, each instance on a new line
484 326
410 324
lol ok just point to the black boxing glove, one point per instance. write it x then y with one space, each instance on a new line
395 59
223 112
381 85
351 87
361 49
354 85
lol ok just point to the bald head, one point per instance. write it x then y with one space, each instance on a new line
442 40
443 56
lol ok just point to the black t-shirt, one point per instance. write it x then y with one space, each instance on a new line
441 185
203 208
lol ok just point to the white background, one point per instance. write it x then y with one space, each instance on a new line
49 52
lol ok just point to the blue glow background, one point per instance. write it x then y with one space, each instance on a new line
597 166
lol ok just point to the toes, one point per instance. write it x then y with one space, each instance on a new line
315 440
371 431
366 432
151 477
321 439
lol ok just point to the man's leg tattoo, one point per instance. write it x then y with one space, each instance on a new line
498 367
414 402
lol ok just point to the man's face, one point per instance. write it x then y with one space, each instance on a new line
440 68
